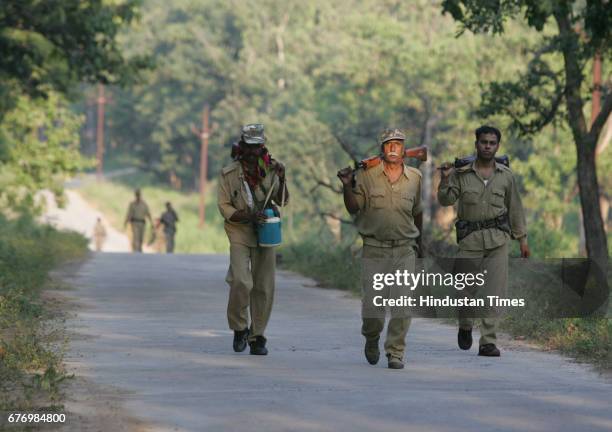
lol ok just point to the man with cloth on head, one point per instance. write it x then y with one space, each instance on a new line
244 186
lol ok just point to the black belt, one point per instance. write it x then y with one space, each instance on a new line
371 241
465 228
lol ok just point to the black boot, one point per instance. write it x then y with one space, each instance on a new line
258 346
240 339
464 339
488 350
371 351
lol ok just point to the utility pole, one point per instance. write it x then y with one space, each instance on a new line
204 134
100 133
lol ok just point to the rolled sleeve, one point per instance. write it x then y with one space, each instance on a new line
448 190
359 190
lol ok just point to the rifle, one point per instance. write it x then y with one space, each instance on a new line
419 153
461 162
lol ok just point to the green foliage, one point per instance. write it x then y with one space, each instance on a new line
324 77
51 46
492 16
30 361
533 99
39 148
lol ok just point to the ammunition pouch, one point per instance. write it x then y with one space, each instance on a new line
465 228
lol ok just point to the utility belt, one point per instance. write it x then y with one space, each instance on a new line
465 228
137 220
371 241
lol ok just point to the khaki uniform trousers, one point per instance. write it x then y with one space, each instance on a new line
138 232
251 280
493 262
388 260
99 242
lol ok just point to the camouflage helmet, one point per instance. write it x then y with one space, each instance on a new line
391 134
253 134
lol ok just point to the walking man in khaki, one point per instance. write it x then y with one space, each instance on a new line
489 214
386 203
137 213
243 187
99 234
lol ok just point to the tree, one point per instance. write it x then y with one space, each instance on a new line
39 149
51 46
543 94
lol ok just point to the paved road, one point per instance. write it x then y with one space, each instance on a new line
154 327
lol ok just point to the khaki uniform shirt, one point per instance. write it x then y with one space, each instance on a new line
233 195
138 210
479 202
99 230
386 210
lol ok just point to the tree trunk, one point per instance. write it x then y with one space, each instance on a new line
595 234
594 231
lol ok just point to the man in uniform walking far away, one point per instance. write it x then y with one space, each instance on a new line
137 213
243 187
99 234
169 219
489 213
386 202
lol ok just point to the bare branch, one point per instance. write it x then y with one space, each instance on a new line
325 185
347 148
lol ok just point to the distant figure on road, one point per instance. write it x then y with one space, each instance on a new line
169 219
137 213
99 234
243 187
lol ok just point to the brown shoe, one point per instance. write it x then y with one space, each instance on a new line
488 350
395 362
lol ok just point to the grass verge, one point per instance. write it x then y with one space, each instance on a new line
30 343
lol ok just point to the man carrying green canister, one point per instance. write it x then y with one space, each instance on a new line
244 186
386 202
489 213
